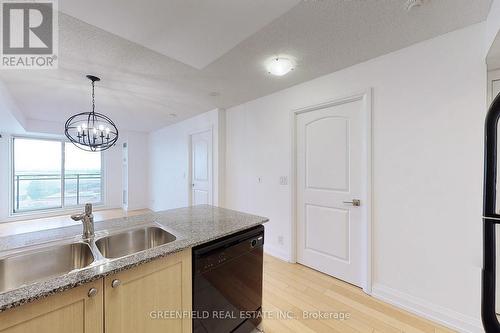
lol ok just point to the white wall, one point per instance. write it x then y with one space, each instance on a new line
138 171
169 160
11 119
4 176
428 111
492 25
138 168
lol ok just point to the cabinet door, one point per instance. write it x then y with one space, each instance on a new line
69 311
151 297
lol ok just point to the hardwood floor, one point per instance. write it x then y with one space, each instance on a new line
295 289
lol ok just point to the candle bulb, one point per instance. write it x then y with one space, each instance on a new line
84 129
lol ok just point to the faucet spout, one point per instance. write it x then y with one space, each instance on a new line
87 219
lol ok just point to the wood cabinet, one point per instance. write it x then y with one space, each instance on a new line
152 297
69 311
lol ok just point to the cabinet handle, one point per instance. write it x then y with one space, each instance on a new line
115 283
92 292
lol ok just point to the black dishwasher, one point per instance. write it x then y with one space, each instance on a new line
227 283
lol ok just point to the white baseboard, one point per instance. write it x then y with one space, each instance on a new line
136 207
276 252
425 309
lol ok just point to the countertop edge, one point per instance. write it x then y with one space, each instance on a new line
39 290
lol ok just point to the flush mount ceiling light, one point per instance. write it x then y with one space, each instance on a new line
91 131
280 66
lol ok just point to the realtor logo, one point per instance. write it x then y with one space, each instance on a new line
29 35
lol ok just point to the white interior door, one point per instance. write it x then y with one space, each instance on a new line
330 180
201 168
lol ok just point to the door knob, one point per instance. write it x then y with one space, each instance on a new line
92 292
115 283
354 202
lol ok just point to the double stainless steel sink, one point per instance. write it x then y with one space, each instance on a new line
20 268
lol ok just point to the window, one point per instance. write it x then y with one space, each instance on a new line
50 174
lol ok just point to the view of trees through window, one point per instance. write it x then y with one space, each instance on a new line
45 169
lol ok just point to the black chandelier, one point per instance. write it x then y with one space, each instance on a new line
91 131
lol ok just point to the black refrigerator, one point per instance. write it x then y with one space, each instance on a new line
490 219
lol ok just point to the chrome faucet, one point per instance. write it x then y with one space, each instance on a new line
88 221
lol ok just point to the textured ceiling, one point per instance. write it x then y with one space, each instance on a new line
191 31
141 87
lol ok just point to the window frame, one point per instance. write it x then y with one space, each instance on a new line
46 211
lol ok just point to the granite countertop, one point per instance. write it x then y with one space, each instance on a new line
192 226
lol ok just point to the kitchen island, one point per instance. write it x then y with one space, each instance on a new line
191 227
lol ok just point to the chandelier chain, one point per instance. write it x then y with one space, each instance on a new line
93 97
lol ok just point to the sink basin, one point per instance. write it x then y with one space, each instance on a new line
36 265
136 240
